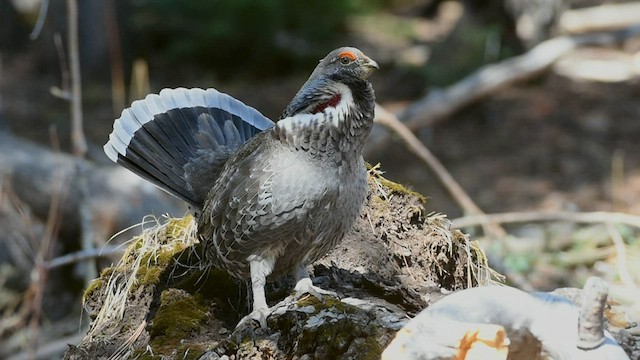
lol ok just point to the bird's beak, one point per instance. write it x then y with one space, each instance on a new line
367 66
371 63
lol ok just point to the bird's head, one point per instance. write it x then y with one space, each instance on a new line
337 81
345 63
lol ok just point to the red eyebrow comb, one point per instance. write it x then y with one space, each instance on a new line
347 54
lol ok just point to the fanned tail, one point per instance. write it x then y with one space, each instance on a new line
180 139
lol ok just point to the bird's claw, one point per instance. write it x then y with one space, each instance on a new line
258 315
305 286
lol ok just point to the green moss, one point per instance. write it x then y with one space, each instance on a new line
176 226
106 272
145 355
190 351
339 337
400 189
332 302
94 285
308 301
327 303
179 315
149 275
369 349
376 174
334 338
152 265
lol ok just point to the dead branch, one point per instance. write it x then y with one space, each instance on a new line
389 120
438 105
82 255
40 272
598 217
600 18
42 15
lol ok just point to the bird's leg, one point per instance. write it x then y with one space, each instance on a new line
260 268
305 286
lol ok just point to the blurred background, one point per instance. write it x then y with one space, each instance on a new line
558 135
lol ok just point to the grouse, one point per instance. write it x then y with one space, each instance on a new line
269 198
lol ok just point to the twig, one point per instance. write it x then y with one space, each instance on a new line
82 255
621 252
597 217
42 16
40 271
389 120
63 93
77 133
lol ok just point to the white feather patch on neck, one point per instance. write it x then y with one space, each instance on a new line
346 102
331 114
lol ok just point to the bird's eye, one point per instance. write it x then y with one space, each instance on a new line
346 57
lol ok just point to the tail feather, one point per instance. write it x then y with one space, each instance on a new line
170 138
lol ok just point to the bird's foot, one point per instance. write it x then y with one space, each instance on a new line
305 286
258 315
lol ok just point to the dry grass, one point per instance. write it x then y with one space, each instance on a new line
161 239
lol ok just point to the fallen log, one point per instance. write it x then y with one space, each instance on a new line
600 18
118 198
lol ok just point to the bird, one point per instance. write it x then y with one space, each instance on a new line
269 197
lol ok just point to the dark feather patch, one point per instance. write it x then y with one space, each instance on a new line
177 147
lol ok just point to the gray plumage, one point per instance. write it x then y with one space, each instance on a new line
284 196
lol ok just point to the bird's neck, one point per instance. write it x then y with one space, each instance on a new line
337 125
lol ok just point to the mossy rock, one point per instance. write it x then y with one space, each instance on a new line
393 260
180 314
